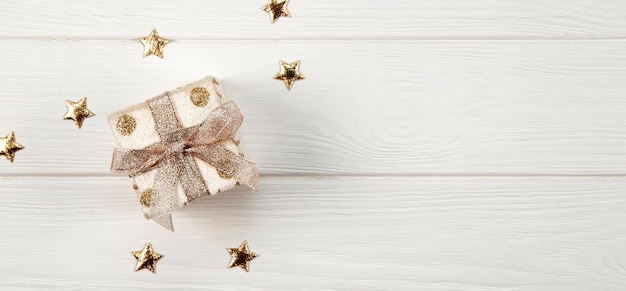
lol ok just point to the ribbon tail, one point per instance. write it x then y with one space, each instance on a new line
248 174
191 179
165 221
229 164
164 190
177 168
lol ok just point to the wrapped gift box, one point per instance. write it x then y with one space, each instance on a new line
153 129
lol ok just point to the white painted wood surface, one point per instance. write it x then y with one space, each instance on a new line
435 145
374 108
341 20
328 233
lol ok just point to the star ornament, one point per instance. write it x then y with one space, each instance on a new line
153 44
146 259
276 9
8 146
241 256
77 111
289 73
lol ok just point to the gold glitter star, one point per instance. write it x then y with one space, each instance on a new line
153 44
146 259
9 146
241 256
289 73
276 9
77 111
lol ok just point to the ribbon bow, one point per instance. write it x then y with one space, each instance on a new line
173 157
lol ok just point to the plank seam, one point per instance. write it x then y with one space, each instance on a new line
352 176
287 40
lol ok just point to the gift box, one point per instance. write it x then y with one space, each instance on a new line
180 146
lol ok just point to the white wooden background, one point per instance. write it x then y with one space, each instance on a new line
435 145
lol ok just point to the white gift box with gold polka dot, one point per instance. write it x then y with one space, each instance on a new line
134 128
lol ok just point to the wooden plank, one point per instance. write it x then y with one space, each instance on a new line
383 108
243 19
321 233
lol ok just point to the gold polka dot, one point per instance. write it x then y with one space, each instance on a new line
223 168
146 197
135 187
199 96
126 124
223 175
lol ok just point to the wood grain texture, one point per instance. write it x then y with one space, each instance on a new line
312 233
378 108
243 19
435 145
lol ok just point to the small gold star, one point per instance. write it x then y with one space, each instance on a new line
77 111
146 259
289 73
241 256
9 146
153 44
276 9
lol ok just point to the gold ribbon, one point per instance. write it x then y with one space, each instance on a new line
173 156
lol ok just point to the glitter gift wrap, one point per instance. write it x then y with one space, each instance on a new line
180 146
